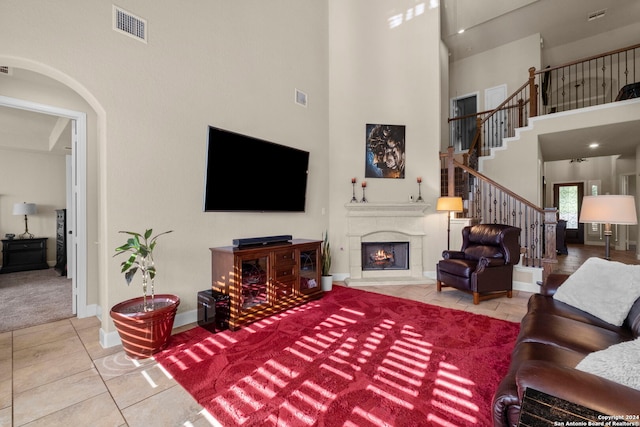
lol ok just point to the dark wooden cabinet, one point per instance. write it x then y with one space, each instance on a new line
24 254
266 280
61 242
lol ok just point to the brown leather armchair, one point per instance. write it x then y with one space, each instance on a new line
484 265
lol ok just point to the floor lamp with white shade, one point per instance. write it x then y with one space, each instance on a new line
608 209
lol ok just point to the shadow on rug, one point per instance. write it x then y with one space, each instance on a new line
352 358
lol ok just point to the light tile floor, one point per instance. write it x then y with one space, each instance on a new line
57 374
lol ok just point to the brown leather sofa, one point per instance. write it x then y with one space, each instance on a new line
554 337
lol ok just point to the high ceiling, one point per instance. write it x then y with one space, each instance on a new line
487 24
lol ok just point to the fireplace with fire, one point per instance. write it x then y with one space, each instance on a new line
385 256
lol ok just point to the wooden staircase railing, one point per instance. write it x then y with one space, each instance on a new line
489 202
587 82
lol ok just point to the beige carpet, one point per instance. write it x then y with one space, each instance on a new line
29 298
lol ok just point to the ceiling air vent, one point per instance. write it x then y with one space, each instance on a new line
5 70
129 24
597 14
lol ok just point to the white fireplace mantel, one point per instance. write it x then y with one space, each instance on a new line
386 209
381 222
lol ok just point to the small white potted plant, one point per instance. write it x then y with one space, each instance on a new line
143 323
327 279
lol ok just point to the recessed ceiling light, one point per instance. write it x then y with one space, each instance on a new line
461 30
594 145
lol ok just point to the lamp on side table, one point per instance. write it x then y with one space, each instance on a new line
25 209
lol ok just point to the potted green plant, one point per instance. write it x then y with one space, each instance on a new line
143 323
327 279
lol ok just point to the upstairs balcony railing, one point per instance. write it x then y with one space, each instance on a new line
587 82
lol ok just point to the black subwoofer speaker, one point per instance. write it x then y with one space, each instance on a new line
213 310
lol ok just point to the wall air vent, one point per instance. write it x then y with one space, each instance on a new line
597 14
301 98
131 25
5 70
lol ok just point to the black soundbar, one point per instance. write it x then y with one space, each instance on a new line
261 241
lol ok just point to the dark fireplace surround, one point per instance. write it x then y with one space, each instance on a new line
385 256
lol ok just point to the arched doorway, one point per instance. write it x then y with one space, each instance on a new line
76 208
88 106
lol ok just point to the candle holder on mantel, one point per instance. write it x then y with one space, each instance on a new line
364 186
419 199
353 184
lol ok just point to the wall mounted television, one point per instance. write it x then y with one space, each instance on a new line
249 174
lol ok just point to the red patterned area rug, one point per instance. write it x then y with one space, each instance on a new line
352 358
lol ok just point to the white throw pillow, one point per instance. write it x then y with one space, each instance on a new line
619 363
605 289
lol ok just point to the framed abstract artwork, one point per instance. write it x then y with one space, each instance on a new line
385 151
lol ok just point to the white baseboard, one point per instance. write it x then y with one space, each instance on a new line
534 275
109 339
526 287
385 281
341 277
526 278
91 310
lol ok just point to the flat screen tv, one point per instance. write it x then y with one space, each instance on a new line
249 174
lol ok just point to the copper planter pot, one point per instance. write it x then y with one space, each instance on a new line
145 333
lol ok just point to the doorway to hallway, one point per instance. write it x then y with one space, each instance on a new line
77 202
567 197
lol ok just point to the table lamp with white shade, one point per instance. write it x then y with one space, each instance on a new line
607 210
25 209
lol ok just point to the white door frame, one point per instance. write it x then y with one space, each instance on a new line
78 239
493 97
454 139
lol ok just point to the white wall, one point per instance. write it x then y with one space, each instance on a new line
595 168
611 40
607 169
384 73
33 178
230 64
508 64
